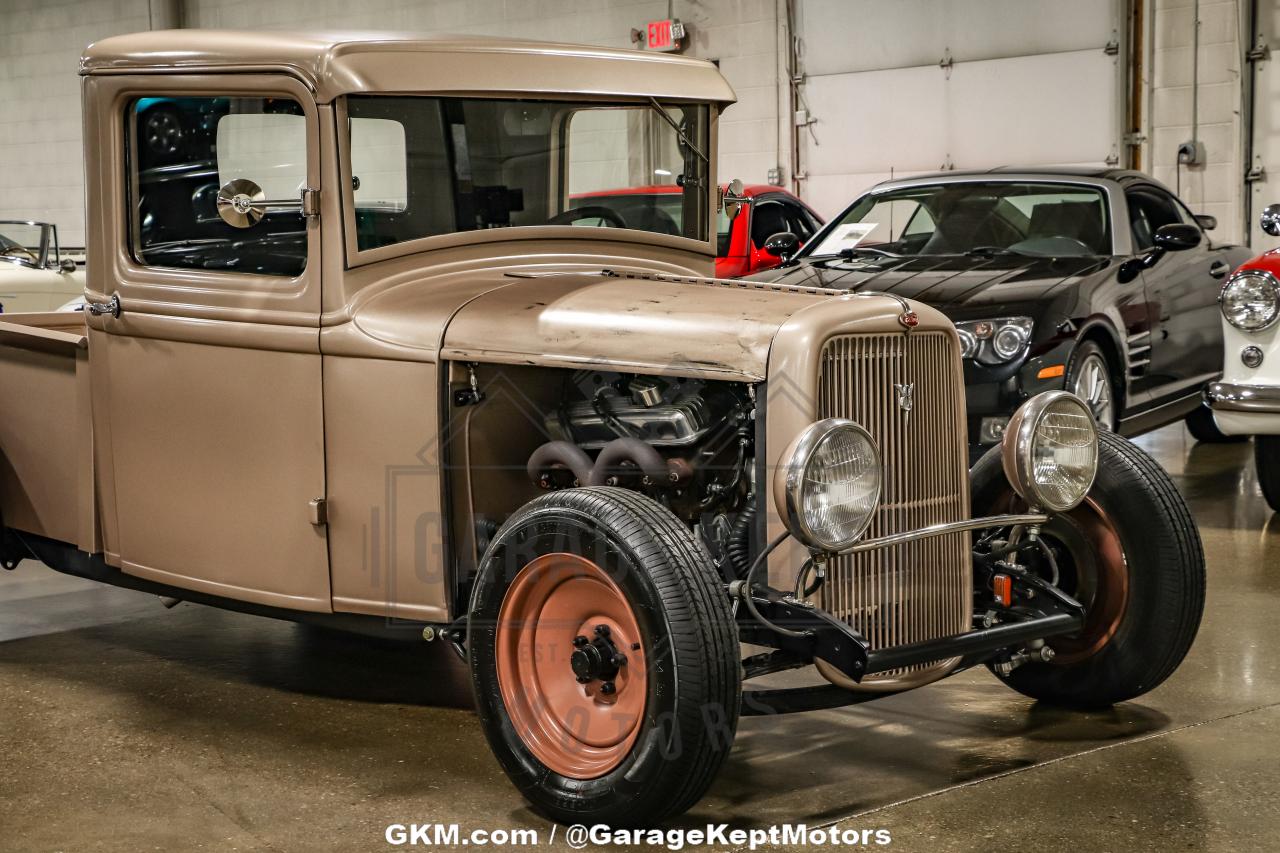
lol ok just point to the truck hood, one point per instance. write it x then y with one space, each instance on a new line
639 323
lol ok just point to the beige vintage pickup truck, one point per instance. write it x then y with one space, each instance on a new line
352 355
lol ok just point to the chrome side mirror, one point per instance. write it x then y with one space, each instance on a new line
241 203
1271 220
732 199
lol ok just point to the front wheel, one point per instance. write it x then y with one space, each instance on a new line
604 658
1131 554
1089 378
1266 457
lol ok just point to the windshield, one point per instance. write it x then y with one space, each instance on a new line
1050 219
424 166
661 206
23 243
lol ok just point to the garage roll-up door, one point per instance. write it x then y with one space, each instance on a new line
898 87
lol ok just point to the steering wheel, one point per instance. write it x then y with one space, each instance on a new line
18 252
589 211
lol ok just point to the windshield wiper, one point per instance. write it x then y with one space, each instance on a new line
684 140
854 251
992 252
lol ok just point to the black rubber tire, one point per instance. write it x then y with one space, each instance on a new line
1204 429
1266 457
1166 577
691 642
1078 356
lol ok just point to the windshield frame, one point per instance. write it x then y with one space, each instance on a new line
1121 242
356 257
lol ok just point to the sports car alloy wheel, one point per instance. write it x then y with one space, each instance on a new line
1092 383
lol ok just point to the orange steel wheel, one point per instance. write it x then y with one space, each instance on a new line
571 666
1102 587
1099 574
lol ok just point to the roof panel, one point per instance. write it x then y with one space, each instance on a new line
334 64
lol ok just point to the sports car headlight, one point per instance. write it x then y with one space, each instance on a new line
1251 300
1051 451
995 341
828 487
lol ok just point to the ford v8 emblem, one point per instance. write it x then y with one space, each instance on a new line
906 397
909 319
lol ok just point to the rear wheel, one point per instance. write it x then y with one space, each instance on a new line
1131 554
1204 428
1266 456
604 658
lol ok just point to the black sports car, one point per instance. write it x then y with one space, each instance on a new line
1097 280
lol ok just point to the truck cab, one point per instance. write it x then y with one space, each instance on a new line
235 376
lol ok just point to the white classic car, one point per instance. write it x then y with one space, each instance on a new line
34 273
1247 400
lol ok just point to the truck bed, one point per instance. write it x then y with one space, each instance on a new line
46 441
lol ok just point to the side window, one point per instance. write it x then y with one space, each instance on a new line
1149 209
768 218
184 149
800 223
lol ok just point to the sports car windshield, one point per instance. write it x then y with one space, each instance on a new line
426 166
997 217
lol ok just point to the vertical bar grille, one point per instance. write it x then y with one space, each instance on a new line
919 590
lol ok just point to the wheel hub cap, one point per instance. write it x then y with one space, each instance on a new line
596 660
571 665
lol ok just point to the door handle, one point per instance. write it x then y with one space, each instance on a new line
1218 269
111 306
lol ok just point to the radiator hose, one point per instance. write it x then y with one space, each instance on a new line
739 547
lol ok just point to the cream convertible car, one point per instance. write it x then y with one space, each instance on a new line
35 275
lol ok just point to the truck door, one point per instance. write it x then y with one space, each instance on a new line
207 382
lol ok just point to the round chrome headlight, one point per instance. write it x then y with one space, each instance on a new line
828 486
1250 300
1051 451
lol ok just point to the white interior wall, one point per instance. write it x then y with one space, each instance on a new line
1217 186
41 163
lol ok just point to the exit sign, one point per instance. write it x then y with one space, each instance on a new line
664 35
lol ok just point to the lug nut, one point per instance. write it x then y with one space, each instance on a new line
602 630
580 641
582 679
619 659
608 689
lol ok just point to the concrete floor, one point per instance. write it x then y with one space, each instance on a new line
125 726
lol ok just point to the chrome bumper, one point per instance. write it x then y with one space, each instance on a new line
1229 397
